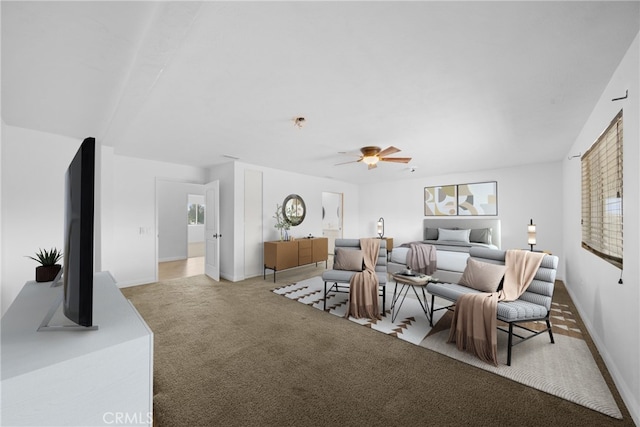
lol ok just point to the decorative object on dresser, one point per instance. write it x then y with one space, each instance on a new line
49 267
281 224
282 255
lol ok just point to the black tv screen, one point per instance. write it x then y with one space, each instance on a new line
78 239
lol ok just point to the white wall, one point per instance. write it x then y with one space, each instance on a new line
277 185
610 310
173 230
129 245
524 193
33 170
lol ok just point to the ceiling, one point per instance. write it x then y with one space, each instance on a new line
457 86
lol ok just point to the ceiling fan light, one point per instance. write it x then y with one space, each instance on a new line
370 160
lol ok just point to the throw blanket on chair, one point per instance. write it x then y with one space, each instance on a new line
421 257
474 324
363 287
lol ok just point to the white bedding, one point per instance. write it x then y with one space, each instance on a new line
450 261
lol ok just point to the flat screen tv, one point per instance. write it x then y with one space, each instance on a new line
77 271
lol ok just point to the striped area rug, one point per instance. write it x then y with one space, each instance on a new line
565 369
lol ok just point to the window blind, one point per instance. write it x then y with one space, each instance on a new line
602 225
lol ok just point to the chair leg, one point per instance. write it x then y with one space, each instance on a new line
325 297
510 344
433 298
384 297
550 331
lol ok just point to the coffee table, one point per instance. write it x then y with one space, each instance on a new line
407 282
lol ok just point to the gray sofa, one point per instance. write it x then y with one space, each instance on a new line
339 279
534 304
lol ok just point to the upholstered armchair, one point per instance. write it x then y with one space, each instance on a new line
344 267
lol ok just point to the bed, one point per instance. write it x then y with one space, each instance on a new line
452 238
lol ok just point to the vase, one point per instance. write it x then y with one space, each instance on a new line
46 273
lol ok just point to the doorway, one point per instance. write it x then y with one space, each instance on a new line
180 217
332 217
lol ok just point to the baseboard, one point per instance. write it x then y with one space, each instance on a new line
136 282
177 258
621 385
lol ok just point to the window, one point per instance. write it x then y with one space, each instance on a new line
195 213
602 195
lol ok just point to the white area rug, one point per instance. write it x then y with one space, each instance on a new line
565 369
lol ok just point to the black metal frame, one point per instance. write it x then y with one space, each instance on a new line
342 288
405 287
534 333
512 324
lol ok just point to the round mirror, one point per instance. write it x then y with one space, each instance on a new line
294 209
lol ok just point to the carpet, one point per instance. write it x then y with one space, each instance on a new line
565 369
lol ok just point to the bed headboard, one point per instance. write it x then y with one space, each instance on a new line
465 223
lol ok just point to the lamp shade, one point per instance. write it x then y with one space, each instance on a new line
531 234
380 227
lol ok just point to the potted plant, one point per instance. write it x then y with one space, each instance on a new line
281 223
48 270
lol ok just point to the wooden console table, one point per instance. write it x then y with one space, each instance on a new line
281 255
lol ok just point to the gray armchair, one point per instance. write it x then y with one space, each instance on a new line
339 279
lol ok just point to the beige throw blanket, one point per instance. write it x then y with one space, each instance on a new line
474 324
421 258
363 287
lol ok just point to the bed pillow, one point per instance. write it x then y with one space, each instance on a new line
348 259
453 235
480 235
430 234
482 276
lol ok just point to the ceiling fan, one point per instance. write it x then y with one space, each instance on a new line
372 155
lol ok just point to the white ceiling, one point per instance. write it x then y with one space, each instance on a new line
458 86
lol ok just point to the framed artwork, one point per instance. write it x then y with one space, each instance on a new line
480 198
440 201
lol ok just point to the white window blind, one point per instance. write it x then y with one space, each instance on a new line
602 195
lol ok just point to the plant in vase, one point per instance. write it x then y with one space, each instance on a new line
281 223
48 269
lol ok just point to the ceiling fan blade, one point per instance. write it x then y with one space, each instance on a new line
372 166
388 150
344 163
396 159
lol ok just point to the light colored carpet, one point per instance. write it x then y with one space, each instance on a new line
565 369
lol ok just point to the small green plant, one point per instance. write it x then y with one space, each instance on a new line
281 223
47 257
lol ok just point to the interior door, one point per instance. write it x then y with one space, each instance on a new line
212 230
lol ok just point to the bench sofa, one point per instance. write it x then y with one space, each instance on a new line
534 304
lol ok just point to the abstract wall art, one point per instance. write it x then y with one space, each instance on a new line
440 201
480 198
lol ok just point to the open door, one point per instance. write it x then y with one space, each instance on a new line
212 230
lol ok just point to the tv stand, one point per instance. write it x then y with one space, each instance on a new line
76 379
67 325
